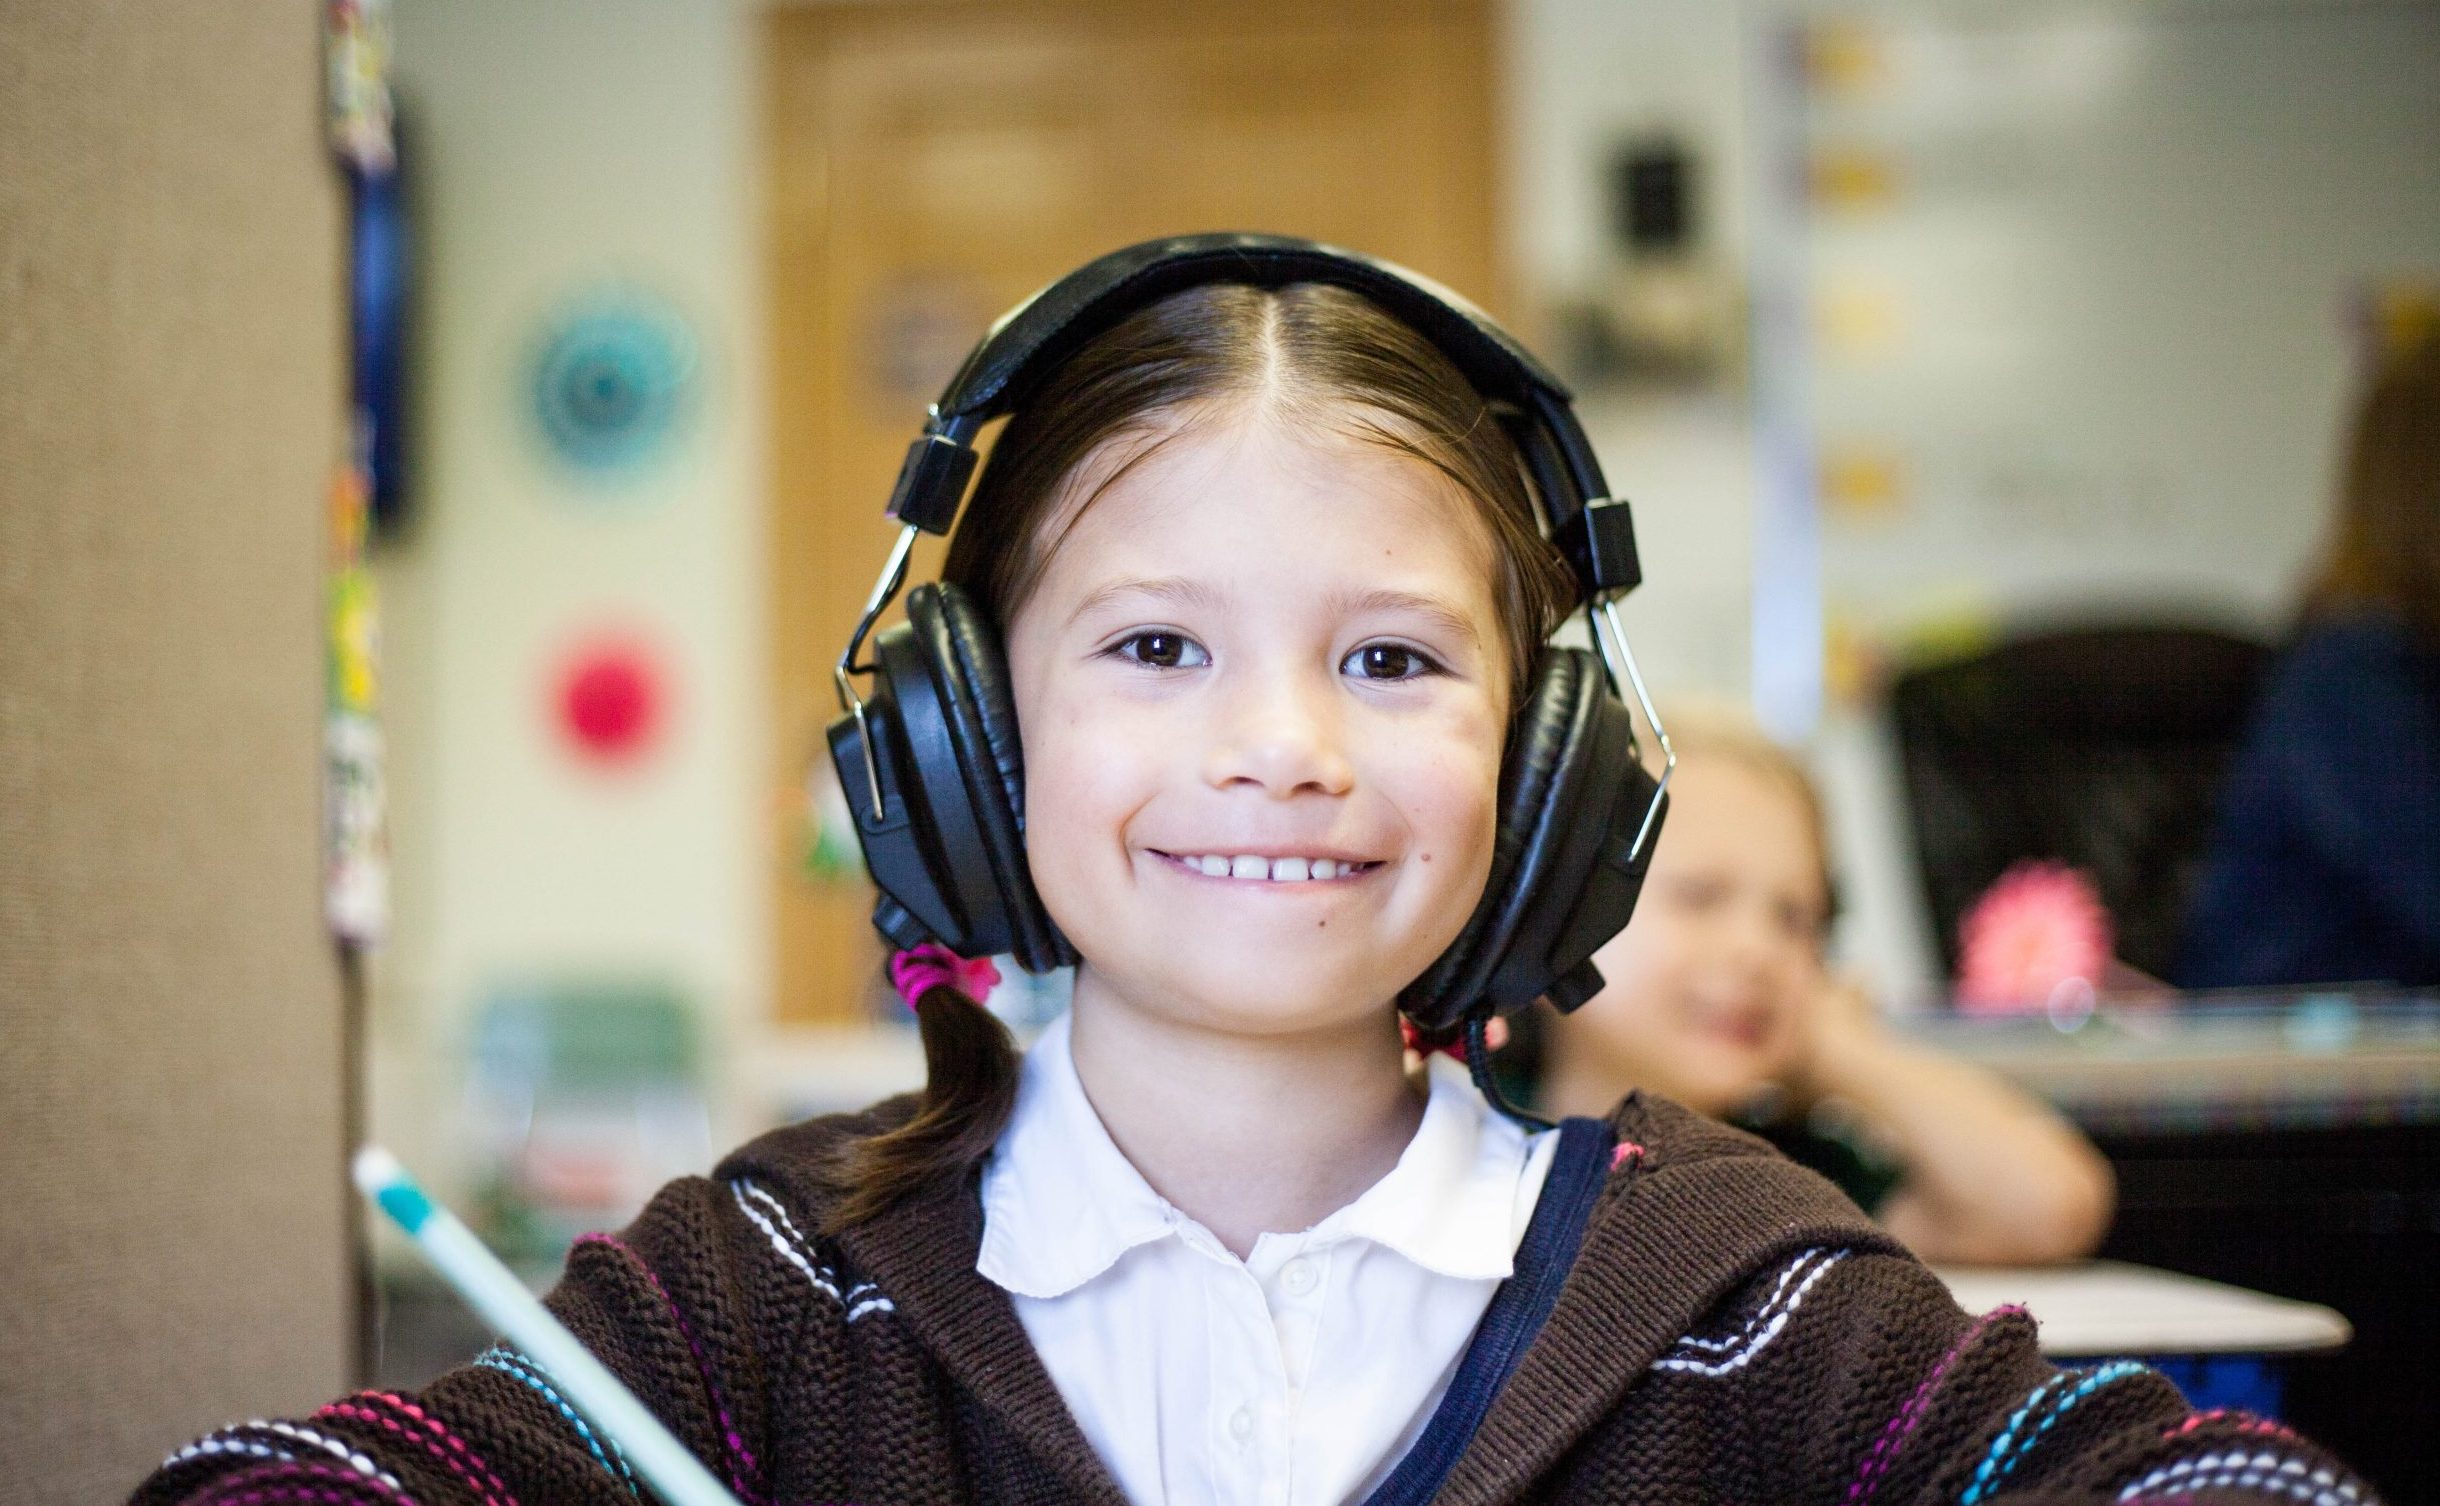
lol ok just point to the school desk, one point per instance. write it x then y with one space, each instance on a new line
2288 1146
2108 1307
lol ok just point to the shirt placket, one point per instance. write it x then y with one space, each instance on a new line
1250 1395
1294 1282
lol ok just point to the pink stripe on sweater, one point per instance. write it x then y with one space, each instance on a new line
451 1440
434 1441
2240 1421
1901 1427
277 1480
738 1452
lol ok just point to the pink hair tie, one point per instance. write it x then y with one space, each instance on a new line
1415 1041
920 970
1495 1035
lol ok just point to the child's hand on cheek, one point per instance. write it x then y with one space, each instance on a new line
1838 1042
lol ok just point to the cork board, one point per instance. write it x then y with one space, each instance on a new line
171 393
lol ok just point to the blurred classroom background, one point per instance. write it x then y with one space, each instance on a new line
443 447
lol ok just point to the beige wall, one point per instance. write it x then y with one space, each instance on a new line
561 151
170 387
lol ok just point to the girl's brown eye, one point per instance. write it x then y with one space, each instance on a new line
1163 651
1387 661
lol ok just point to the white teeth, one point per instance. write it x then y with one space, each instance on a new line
1276 870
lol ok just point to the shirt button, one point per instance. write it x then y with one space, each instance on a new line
1298 1276
1241 1424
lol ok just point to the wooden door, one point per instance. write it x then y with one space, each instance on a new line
929 165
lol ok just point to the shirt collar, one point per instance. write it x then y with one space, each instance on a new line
1062 1203
1450 1205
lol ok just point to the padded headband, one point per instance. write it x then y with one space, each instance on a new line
1034 338
1040 333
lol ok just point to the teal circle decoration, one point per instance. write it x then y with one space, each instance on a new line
612 382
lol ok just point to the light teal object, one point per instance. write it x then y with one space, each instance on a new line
488 1287
614 382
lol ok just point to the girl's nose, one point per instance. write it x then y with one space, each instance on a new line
1282 738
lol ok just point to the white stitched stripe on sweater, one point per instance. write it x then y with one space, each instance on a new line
1769 1308
332 1446
1757 1335
859 1300
2289 1476
215 1443
228 1441
825 1278
738 1190
778 1209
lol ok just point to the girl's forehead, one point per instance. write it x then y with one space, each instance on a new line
1312 494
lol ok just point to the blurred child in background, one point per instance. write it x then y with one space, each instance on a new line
1718 997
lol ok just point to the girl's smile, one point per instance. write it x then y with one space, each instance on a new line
1253 867
1263 698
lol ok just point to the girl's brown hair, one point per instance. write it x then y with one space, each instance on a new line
1308 354
2385 548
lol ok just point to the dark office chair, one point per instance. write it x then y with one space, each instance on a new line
2100 746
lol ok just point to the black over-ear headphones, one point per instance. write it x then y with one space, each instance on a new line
930 760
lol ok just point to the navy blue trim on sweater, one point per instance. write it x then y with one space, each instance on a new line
1578 1169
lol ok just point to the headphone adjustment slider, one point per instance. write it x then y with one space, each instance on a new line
1600 542
932 482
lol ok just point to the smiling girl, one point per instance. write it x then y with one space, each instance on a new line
1275 751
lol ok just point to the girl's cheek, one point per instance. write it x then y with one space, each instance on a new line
1455 791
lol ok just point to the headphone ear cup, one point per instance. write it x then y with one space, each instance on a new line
969 669
1566 866
1537 746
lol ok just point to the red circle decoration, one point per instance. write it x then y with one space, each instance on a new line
610 700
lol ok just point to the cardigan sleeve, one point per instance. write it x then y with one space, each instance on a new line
680 1305
1850 1376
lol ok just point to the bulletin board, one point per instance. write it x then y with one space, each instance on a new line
2062 309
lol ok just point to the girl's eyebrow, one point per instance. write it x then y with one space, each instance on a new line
1432 609
1165 588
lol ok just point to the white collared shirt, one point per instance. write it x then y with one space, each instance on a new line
1296 1377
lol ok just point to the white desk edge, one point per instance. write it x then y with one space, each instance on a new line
2107 1307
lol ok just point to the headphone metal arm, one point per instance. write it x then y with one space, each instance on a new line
1604 614
885 590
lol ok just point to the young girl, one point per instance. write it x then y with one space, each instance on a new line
1270 586
1718 998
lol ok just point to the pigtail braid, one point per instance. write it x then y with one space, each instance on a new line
970 1086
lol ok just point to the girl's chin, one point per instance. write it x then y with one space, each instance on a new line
1227 1001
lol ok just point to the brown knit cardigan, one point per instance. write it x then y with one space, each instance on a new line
1733 1330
